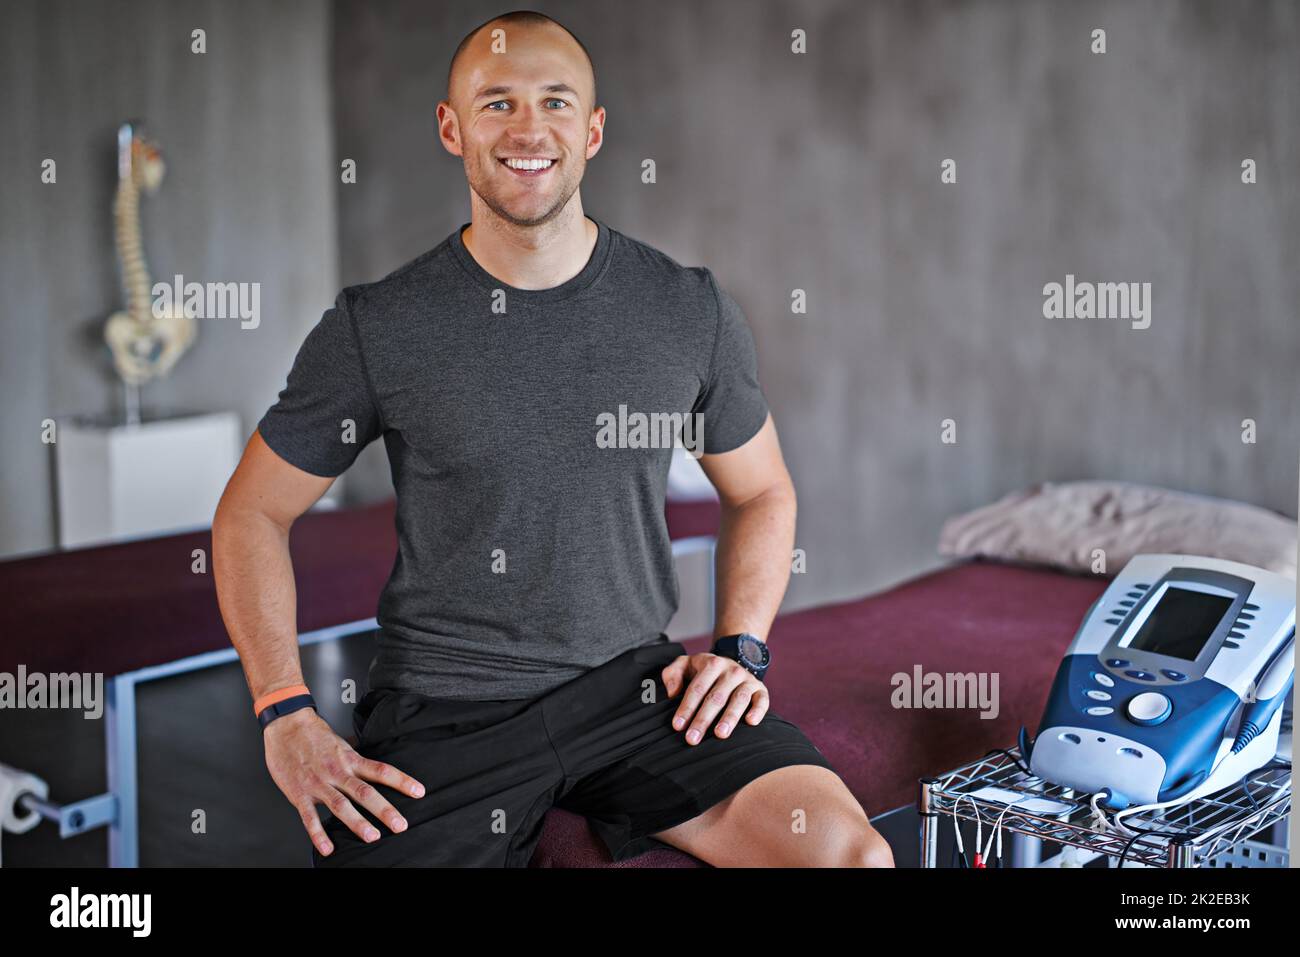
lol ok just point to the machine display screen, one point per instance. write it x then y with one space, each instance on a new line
1181 623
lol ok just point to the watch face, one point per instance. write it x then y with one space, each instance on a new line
753 650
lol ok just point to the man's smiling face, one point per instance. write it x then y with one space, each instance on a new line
525 121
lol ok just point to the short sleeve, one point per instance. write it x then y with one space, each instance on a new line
732 404
326 413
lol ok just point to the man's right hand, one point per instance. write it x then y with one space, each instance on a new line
313 765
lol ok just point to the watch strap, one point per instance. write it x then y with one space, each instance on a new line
287 706
728 646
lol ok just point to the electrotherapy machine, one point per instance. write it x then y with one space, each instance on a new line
1174 685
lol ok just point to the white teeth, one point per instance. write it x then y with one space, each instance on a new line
529 163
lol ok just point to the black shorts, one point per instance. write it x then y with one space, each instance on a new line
601 746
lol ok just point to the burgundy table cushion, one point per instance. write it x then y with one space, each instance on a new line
118 608
689 519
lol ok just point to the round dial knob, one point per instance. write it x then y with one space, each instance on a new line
1150 707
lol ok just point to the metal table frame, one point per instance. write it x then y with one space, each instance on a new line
1190 835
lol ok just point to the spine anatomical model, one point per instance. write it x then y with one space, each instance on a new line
145 346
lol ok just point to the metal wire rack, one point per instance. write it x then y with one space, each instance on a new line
1190 835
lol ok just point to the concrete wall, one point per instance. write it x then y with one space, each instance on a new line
819 172
247 135
822 172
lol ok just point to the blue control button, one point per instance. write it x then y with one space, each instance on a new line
1140 675
1173 675
1106 681
1117 662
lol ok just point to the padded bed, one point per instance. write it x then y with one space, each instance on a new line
123 607
120 607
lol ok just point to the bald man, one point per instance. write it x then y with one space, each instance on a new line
529 376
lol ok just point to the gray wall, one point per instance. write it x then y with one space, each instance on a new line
821 172
248 138
778 171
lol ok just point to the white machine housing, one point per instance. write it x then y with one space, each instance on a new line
1174 684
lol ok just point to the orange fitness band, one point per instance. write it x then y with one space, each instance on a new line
274 697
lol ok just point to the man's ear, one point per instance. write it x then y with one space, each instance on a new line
595 131
448 127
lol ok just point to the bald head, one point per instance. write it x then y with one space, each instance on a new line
537 26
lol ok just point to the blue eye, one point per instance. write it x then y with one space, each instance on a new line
563 103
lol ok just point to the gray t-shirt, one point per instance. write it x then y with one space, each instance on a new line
532 544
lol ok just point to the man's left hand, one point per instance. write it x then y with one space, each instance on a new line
713 683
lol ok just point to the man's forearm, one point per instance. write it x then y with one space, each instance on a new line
755 544
258 600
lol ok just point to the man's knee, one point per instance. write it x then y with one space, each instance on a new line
858 845
869 849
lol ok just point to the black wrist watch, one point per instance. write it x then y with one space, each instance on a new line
747 649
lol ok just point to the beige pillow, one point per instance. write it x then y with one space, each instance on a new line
1061 525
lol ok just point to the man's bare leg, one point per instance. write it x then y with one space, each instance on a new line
796 816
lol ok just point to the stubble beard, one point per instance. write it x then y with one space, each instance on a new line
485 191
